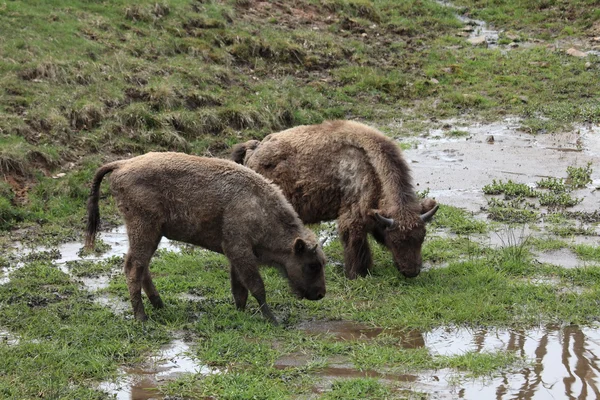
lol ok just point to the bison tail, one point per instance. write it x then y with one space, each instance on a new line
93 210
238 154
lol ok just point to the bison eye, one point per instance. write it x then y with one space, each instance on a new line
314 267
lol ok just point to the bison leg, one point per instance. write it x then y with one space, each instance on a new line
357 254
240 293
151 291
142 246
246 275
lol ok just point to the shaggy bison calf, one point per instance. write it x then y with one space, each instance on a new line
215 204
347 171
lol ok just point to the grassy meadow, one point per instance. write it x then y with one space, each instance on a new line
85 82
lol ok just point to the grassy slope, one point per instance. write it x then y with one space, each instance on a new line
84 82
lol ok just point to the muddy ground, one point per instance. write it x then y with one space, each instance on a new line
452 161
453 169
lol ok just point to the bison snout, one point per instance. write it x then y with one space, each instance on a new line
315 294
410 272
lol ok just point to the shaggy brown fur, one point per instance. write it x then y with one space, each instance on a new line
347 171
216 204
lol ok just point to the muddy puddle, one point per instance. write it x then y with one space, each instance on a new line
141 383
456 169
560 362
116 243
478 32
8 338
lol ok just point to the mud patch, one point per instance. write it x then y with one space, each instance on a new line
455 170
562 257
116 242
115 304
141 383
350 330
341 330
8 338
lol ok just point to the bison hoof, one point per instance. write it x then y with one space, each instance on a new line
156 302
141 317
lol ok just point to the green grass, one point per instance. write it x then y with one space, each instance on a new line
548 19
480 286
85 82
81 79
458 221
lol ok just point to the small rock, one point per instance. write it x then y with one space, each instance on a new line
435 81
596 39
468 28
513 45
542 64
512 36
363 34
60 175
477 41
490 139
588 65
576 53
524 99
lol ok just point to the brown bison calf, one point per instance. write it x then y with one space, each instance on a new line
212 203
349 171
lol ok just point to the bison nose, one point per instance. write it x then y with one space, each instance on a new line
411 274
315 295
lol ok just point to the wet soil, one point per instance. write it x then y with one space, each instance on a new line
562 362
456 169
116 244
141 382
479 32
348 330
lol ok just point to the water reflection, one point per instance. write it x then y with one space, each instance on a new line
142 383
563 361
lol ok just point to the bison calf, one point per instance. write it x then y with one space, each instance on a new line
215 204
347 171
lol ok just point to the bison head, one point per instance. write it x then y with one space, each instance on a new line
403 237
305 269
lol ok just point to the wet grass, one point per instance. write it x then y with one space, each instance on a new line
117 80
520 203
547 19
87 343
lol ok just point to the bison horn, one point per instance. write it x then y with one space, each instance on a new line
387 222
429 214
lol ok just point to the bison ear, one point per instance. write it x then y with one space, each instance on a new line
427 205
299 246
